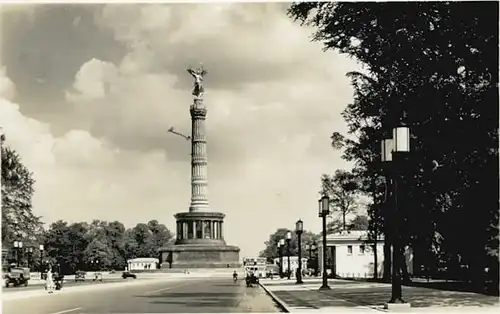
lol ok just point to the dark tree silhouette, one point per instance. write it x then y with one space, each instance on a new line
437 62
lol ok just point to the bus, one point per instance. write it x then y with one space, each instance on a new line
257 265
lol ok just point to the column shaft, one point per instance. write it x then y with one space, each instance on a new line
199 159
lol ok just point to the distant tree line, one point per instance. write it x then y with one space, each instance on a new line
75 246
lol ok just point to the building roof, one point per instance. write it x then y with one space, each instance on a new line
143 260
350 236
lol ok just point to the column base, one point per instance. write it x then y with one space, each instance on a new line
200 256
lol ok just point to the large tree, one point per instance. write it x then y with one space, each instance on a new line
160 236
17 184
271 245
433 64
342 188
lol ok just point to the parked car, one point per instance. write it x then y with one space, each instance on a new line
127 274
97 276
17 276
80 275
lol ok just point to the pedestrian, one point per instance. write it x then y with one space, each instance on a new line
49 282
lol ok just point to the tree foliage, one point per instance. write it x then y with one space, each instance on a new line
102 244
434 65
18 220
342 188
271 245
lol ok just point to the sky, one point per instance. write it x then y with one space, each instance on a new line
88 93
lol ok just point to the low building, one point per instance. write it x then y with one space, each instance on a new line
352 256
294 263
143 263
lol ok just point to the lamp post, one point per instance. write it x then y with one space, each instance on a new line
95 264
18 246
41 258
29 252
308 250
393 151
281 245
299 228
288 239
324 210
314 248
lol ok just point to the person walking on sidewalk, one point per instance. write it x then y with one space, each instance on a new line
49 282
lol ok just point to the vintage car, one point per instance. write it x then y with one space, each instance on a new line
97 276
58 280
251 279
17 276
80 275
127 274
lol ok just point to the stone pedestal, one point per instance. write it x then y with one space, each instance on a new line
200 243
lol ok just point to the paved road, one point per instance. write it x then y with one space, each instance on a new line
68 283
194 295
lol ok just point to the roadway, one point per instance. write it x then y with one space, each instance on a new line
183 295
67 283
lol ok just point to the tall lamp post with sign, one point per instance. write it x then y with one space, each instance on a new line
288 240
281 247
324 210
299 228
393 153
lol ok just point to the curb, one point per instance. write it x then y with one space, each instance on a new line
282 304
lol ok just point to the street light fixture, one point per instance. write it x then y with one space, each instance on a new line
299 228
41 258
18 246
393 150
288 240
308 250
314 247
29 251
281 246
324 210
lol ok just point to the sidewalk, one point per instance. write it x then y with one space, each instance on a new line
349 296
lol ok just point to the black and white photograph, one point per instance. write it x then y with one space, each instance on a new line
239 156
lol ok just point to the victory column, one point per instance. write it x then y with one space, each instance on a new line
200 235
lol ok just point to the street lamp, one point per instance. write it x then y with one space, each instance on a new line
308 250
314 248
18 246
281 246
29 252
324 210
393 150
299 228
288 239
41 258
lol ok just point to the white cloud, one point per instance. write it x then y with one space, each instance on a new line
80 177
92 80
273 100
7 88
